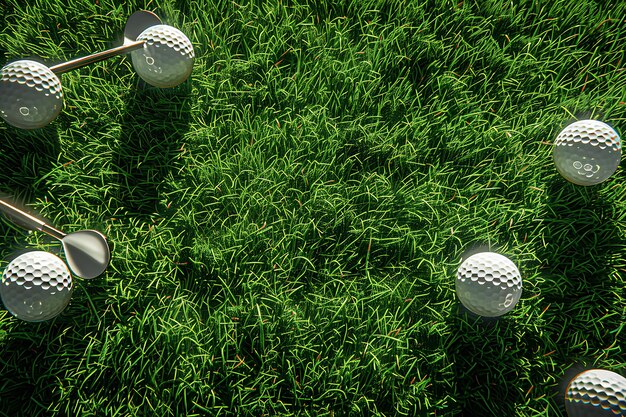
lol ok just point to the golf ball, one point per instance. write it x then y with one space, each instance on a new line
36 286
587 152
488 284
596 393
30 94
166 58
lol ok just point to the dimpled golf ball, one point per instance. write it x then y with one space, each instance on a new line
166 58
30 94
488 284
587 152
36 286
596 393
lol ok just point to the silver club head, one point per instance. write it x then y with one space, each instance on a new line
87 253
137 23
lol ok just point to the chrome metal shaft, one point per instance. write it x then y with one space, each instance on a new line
31 221
97 57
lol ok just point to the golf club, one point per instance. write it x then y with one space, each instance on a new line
87 251
31 94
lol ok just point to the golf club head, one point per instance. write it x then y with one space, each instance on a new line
87 253
137 23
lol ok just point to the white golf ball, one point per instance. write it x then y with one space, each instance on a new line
587 152
596 393
30 94
166 58
36 286
488 284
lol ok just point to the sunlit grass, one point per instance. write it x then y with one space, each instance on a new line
286 226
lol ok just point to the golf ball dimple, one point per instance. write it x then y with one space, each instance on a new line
166 58
36 286
30 94
596 393
587 152
488 284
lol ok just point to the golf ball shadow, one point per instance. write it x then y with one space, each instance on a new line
166 59
487 357
463 311
30 94
156 145
36 286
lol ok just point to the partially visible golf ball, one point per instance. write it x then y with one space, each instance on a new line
488 284
596 393
36 286
166 58
30 94
587 152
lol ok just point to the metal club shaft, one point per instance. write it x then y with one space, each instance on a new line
31 221
97 57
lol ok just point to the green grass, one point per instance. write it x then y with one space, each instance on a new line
286 226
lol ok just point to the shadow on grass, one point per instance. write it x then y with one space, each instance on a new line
203 278
25 157
30 364
581 259
582 253
150 144
488 356
143 159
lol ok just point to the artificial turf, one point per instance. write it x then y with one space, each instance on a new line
286 225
